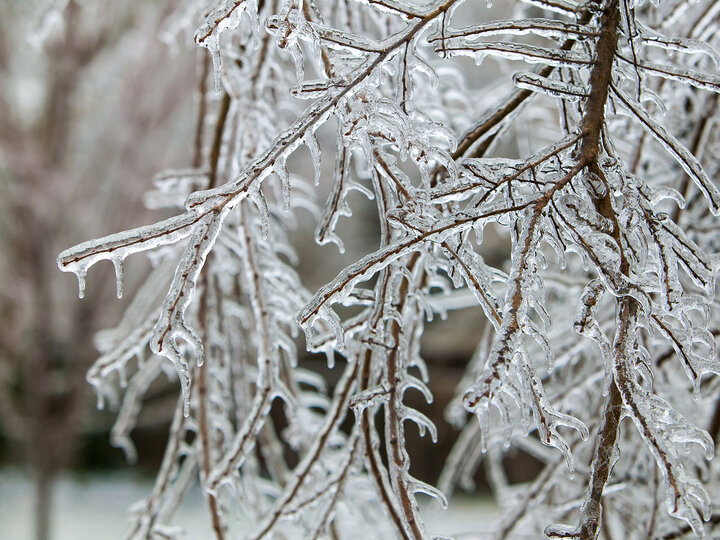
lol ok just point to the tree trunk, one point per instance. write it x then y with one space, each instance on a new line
44 484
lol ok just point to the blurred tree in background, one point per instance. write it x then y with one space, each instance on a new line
85 120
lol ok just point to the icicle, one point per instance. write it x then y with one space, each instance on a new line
226 16
258 198
81 274
314 146
423 423
280 168
330 316
419 486
213 46
119 275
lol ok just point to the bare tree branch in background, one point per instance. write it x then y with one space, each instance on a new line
57 146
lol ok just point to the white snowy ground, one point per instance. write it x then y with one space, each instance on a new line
94 506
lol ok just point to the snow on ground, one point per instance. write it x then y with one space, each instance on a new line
94 506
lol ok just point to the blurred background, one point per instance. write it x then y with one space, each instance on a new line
92 105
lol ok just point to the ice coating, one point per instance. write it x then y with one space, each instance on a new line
226 16
117 247
551 215
536 83
685 158
517 51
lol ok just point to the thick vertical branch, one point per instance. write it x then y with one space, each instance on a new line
204 428
591 514
202 109
217 139
150 515
373 461
600 79
397 460
206 445
403 518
